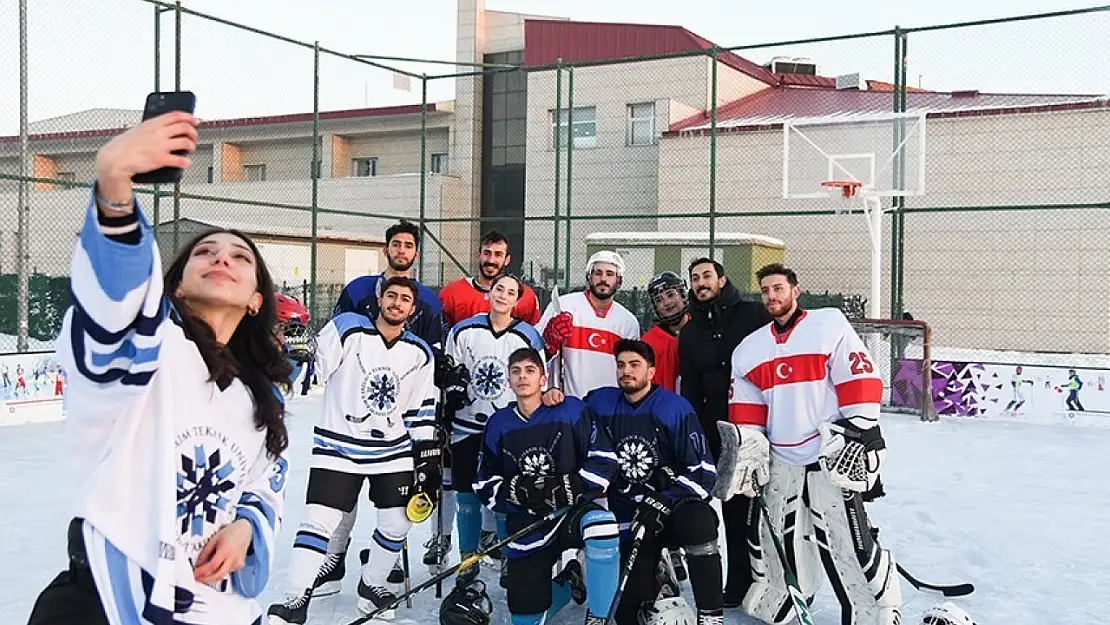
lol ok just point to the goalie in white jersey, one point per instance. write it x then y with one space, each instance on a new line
583 328
483 344
803 424
378 425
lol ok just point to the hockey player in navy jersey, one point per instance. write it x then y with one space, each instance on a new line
361 296
483 344
537 459
378 426
665 477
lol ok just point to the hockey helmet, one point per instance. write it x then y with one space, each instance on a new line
289 312
661 284
669 611
605 256
946 613
466 604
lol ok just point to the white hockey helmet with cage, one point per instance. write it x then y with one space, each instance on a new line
669 611
946 613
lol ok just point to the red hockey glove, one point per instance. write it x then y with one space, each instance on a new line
557 332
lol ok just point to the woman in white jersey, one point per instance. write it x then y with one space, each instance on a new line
173 411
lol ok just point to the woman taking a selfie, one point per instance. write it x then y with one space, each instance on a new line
173 411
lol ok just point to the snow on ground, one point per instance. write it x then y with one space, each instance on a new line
1017 509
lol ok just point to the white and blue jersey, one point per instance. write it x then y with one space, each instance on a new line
555 440
163 456
379 397
660 430
485 352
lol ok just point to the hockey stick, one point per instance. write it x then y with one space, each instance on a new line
465 564
792 586
950 590
633 551
408 580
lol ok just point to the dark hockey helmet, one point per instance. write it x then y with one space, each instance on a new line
466 604
661 284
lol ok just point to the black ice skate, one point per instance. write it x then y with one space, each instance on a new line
591 619
711 617
571 576
438 548
372 598
488 540
294 611
470 573
329 580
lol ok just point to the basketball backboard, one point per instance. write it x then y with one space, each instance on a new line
883 151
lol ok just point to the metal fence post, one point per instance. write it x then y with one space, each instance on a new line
570 169
315 170
558 154
23 238
713 155
157 201
177 87
423 169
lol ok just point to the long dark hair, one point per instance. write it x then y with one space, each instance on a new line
253 354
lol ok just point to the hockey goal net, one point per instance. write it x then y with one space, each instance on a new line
900 352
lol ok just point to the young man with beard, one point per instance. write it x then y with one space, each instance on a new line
362 295
663 483
482 344
379 426
671 307
719 320
582 328
805 406
537 459
466 297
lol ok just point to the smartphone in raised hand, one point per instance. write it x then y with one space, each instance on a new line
160 103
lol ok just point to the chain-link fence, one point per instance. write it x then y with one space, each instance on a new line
988 156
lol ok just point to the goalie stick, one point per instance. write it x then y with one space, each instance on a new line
467 563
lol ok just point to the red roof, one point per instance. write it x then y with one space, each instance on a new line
294 118
772 106
547 41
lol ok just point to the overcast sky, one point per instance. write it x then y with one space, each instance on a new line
99 53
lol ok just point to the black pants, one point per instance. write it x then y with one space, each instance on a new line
692 523
739 517
1073 401
71 598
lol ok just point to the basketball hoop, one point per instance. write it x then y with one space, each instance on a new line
848 188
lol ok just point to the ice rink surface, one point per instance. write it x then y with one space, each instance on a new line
1019 509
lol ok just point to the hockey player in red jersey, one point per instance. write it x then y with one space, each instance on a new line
466 297
804 428
584 327
668 295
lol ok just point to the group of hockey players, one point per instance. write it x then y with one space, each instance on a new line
565 432
571 433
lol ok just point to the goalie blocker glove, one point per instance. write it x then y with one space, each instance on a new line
852 454
744 465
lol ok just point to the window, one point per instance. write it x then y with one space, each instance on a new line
211 174
439 163
641 124
254 173
583 128
364 167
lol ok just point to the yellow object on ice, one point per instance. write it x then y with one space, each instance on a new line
419 508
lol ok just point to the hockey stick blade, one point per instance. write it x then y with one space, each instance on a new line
952 590
467 563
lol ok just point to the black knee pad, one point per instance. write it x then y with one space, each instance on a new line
693 522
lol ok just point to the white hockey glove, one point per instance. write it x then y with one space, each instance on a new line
852 452
745 463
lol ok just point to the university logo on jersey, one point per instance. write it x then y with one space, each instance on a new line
202 480
488 378
537 461
379 391
637 458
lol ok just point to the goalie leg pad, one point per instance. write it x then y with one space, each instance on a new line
768 598
862 574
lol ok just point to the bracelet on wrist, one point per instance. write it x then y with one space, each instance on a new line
115 205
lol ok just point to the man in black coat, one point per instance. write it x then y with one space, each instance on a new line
719 320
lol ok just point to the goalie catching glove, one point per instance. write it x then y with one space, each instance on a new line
745 463
852 452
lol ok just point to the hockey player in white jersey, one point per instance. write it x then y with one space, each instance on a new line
804 427
173 411
483 344
583 328
378 426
